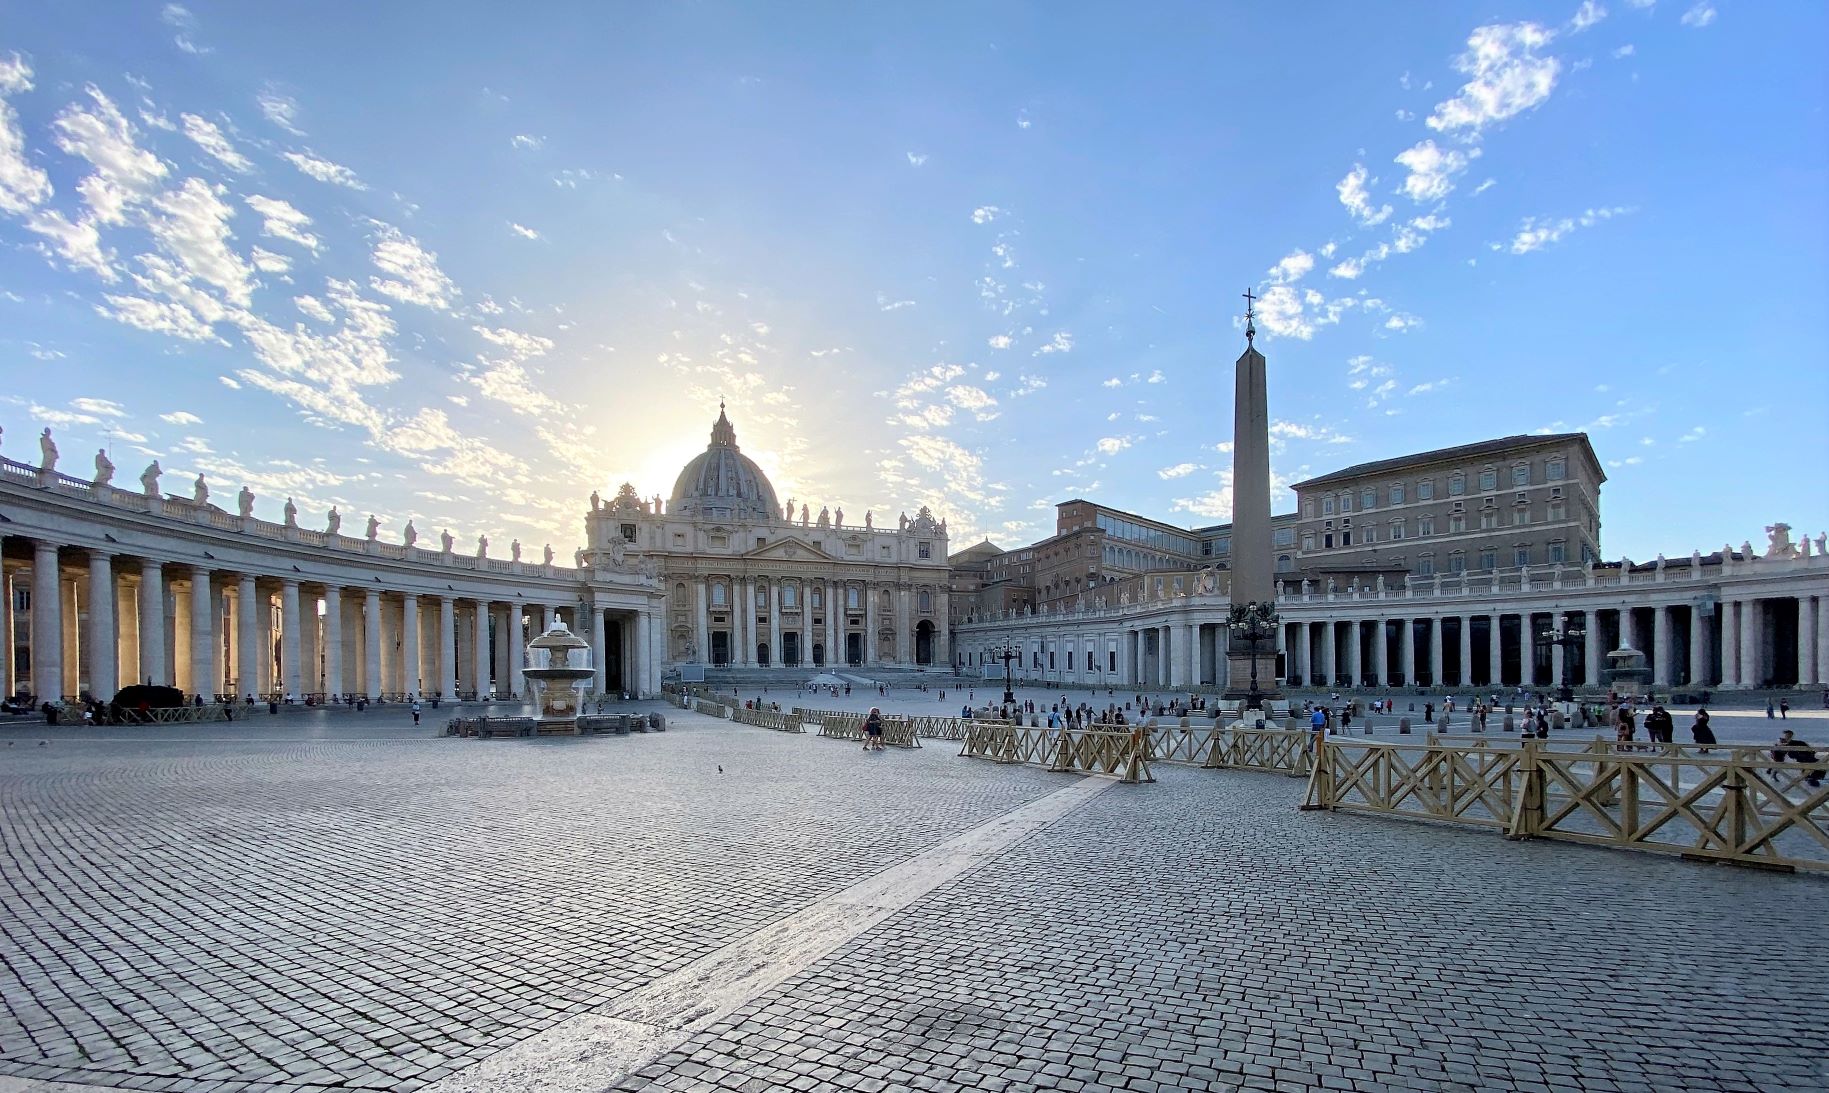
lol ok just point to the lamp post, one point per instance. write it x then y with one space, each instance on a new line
1009 654
1253 623
1570 638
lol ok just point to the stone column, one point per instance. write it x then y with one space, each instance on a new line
1327 651
1466 672
152 623
1406 650
99 647
1807 637
311 679
290 681
480 648
1495 655
1592 649
701 635
1628 630
447 647
1663 665
1352 653
548 615
1557 667
371 643
247 637
1436 660
1298 652
1381 656
264 622
904 627
638 686
1698 649
774 621
517 646
333 642
1822 641
413 663
600 682
869 624
1749 643
206 674
69 620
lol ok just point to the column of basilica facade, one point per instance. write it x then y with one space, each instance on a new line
108 587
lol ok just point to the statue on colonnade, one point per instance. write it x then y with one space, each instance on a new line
245 502
48 449
334 521
291 511
149 479
104 468
200 490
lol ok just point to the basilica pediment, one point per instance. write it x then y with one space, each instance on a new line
789 549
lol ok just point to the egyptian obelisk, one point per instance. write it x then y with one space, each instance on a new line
1251 573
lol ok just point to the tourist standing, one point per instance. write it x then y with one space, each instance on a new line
1659 725
873 730
1701 730
415 708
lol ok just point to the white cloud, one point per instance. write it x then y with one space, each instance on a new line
191 224
1693 435
1179 470
999 341
314 308
1112 445
975 401
527 142
1156 377
1285 312
1507 77
78 243
157 317
1539 232
1112 382
268 262
125 174
1401 322
1214 504
1624 51
916 161
984 214
281 221
180 18
229 383
325 171
1432 170
1022 119
281 110
415 276
181 417
884 303
1028 385
1586 16
106 407
523 232
1699 15
1062 342
211 139
23 186
1292 268
1358 200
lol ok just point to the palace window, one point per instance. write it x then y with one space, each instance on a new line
1457 484
1308 509
1521 556
1425 490
1521 475
1327 506
1397 528
1553 470
1346 502
1397 493
1308 542
1368 497
1489 519
1457 524
924 550
1425 525
1327 541
1489 558
1559 552
1283 536
1457 562
1558 510
1520 517
1489 480
1425 566
1284 563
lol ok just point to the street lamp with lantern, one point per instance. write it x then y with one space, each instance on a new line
1571 637
1009 654
1252 624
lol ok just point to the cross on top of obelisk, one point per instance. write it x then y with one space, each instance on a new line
1250 329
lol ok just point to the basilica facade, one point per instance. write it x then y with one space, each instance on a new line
751 582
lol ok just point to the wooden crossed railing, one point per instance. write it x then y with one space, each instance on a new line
767 719
898 731
710 708
1733 804
183 715
1215 746
1122 752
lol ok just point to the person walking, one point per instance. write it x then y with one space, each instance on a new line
1771 711
1797 751
415 708
873 730
1703 734
1624 729
1658 725
1784 709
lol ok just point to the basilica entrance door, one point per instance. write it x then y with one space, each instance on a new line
790 649
762 654
924 642
720 647
819 654
854 649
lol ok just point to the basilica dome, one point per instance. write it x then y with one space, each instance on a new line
723 483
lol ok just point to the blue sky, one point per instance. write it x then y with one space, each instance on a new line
466 263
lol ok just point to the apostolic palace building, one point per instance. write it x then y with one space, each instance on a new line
1446 569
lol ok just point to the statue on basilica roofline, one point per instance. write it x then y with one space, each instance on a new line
200 491
104 468
869 520
334 522
805 517
549 554
596 501
825 517
514 550
838 518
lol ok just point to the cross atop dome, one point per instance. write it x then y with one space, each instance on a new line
723 434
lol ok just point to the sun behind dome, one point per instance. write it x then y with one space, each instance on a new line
724 484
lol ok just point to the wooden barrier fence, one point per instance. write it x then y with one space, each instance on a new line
898 731
1733 804
710 708
767 719
1122 752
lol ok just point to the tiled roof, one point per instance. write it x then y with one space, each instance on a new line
1444 455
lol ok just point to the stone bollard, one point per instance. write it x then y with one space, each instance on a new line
1509 727
1403 726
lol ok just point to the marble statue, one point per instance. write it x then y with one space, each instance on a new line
825 517
48 449
1304 586
410 535
482 546
596 501
374 527
549 554
1746 549
838 518
445 540
291 511
1820 537
200 490
619 551
514 550
869 520
334 522
804 518
1779 541
245 502
788 512
104 468
149 479
902 522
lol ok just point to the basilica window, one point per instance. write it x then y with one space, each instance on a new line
720 541
717 595
790 595
888 603
924 550
886 555
628 533
927 600
851 598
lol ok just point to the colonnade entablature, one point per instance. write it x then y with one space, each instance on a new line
273 610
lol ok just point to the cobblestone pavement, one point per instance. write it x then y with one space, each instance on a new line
320 903
326 903
1202 934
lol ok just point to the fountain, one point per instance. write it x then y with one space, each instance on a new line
558 668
